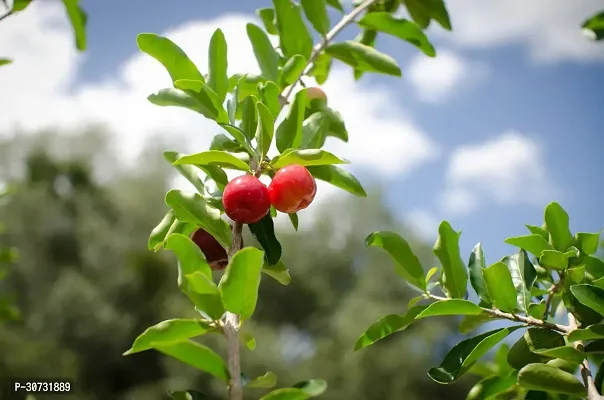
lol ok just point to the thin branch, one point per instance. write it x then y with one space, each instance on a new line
517 318
588 380
8 14
319 47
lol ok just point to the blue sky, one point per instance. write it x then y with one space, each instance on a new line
502 121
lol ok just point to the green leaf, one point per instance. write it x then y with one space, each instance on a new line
588 242
446 249
286 394
264 232
522 352
316 12
364 58
556 220
267 15
293 69
265 129
422 11
536 230
268 380
471 322
406 263
5 61
20 5
239 136
589 333
313 387
198 356
336 4
78 18
595 347
293 217
249 119
450 307
171 97
289 132
168 332
294 37
321 67
307 157
476 265
222 142
189 172
523 275
500 286
239 284
599 379
248 339
537 310
564 365
266 56
461 357
160 232
191 207
399 27
386 326
554 259
534 244
491 386
595 25
172 57
189 255
550 379
214 157
590 296
567 353
218 79
594 266
278 272
270 93
338 177
211 103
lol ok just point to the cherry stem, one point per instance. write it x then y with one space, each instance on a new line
588 380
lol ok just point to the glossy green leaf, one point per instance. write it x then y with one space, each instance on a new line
557 222
189 172
599 378
239 136
160 232
268 380
313 387
567 353
171 97
188 254
270 92
406 263
184 228
501 286
307 157
550 379
446 249
321 124
218 79
293 69
554 259
594 266
491 386
461 357
523 275
20 5
249 119
239 284
386 326
265 128
286 394
172 57
522 352
264 232
589 333
278 272
167 332
321 68
588 242
266 56
338 177
422 11
214 157
476 265
590 296
364 58
293 217
289 132
198 356
595 25
336 4
537 310
534 244
316 13
222 142
536 230
78 19
191 207
294 37
564 365
211 102
399 27
450 307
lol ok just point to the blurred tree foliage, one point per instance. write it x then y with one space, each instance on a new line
87 285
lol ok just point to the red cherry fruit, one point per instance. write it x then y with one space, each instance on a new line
215 254
245 199
292 189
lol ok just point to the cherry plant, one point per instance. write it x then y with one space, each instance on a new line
246 108
564 278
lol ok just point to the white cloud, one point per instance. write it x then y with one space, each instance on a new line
41 90
435 79
549 28
423 223
509 169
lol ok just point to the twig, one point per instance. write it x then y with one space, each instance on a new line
588 380
231 330
517 318
8 14
319 47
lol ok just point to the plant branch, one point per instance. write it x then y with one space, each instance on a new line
588 380
517 318
8 14
550 296
319 47
231 330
